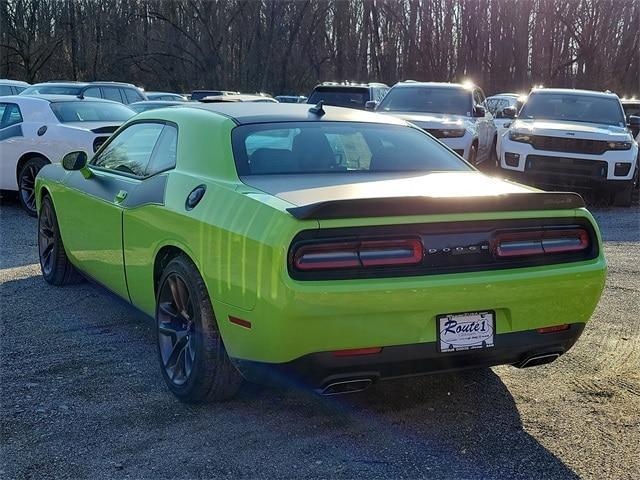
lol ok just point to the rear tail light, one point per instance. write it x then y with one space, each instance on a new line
368 253
540 242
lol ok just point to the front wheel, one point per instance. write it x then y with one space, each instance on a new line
27 183
193 360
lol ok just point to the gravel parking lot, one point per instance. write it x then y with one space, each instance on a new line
82 396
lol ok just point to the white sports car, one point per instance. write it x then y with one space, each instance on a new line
38 130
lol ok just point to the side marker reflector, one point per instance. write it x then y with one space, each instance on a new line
357 351
555 328
241 322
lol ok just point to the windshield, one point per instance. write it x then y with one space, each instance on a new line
338 147
340 97
52 90
454 101
631 108
573 108
87 111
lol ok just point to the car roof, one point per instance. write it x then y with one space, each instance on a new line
573 91
243 97
66 98
16 83
413 83
350 85
167 103
73 83
505 95
255 112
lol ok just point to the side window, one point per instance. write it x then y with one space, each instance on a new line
165 152
10 115
112 93
131 150
93 92
5 90
131 95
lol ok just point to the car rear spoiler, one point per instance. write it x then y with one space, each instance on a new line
394 206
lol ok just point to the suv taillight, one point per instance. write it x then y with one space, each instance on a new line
358 254
539 242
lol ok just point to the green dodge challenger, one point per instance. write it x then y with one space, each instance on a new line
321 246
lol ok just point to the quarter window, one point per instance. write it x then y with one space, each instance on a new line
131 95
165 152
93 92
130 152
9 115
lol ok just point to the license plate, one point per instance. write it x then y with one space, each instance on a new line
465 331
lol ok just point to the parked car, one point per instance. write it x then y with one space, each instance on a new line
496 105
291 98
453 113
577 139
164 96
351 95
631 108
353 247
38 130
11 87
118 92
200 94
241 97
152 104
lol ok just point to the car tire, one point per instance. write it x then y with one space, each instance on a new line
54 263
27 183
473 154
193 359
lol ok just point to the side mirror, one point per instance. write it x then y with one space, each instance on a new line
509 112
633 122
76 161
479 111
371 105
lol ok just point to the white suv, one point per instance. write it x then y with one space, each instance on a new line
572 139
453 113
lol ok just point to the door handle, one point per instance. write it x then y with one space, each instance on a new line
120 196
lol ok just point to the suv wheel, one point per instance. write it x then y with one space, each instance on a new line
193 359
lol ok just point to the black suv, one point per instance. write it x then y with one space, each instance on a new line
120 92
351 95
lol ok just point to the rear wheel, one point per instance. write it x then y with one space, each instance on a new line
54 264
27 183
193 359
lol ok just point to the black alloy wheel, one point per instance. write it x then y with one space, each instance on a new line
27 184
176 329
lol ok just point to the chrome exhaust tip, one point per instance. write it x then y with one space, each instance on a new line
346 386
538 360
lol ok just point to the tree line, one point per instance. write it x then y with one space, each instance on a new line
285 47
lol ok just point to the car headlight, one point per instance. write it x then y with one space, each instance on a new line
452 133
619 145
519 137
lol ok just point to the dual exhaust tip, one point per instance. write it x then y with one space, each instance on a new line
360 384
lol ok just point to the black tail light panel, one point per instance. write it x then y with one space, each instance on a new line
451 247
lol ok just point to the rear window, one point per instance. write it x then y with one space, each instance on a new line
52 90
340 97
83 111
338 147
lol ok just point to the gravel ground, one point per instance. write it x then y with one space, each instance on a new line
82 397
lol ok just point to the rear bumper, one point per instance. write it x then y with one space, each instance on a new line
318 370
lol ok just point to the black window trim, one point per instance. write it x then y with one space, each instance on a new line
117 134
